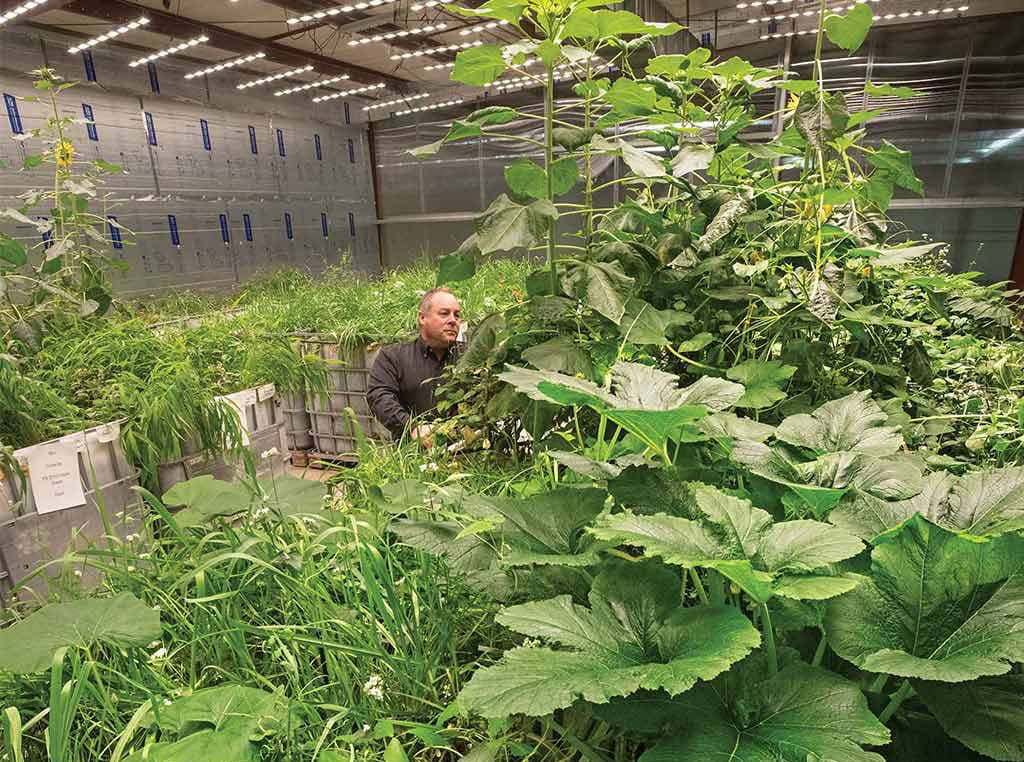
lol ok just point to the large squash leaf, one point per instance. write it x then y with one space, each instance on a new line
124 621
938 606
985 715
851 424
602 286
763 381
634 635
742 543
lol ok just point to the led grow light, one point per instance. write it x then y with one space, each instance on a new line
141 21
483 27
396 101
274 77
431 107
385 36
434 51
344 93
320 15
20 9
170 51
226 65
311 85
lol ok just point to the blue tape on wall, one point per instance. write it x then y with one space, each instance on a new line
288 226
47 235
247 224
316 146
90 65
204 127
224 234
115 232
352 224
280 142
172 224
150 129
348 114
154 80
323 223
91 126
252 140
12 114
351 151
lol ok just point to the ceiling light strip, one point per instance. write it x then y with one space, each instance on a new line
428 29
226 65
431 107
311 85
878 16
141 21
170 51
344 93
435 67
13 13
396 101
274 77
320 15
434 51
424 6
483 27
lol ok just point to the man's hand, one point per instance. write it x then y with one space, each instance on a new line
423 435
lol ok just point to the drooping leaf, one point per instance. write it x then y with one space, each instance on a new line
850 31
938 606
640 162
12 251
526 179
896 164
643 324
563 175
985 715
124 621
894 256
560 355
492 115
452 268
762 380
802 713
634 635
603 286
891 91
508 226
479 65
819 123
571 138
691 157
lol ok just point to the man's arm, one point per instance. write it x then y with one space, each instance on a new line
383 394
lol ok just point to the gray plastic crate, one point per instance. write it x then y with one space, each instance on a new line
33 532
348 374
297 424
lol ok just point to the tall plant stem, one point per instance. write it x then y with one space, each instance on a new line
879 684
549 96
819 652
588 190
769 639
695 576
894 702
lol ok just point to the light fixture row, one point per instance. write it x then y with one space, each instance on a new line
435 67
424 6
311 85
344 93
433 51
226 65
170 51
483 27
274 77
428 29
888 16
141 21
361 6
431 107
396 101
17 10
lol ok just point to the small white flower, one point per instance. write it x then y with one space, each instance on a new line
432 466
160 653
488 302
144 555
366 728
130 568
374 687
399 284
167 702
78 572
272 452
154 644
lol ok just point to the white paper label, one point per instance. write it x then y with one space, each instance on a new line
108 432
56 480
265 392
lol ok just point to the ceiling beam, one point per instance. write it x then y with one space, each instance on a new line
120 11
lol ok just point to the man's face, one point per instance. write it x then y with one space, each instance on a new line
439 325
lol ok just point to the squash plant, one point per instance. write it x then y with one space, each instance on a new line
771 264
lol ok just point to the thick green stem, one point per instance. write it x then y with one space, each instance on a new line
819 652
894 702
878 684
769 639
549 143
695 576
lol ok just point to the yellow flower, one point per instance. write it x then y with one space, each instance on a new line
64 154
866 271
794 99
825 212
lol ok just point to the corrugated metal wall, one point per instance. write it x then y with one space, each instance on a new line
966 135
274 206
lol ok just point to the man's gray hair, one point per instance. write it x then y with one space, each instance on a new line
428 297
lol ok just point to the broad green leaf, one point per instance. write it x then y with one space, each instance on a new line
762 380
813 587
851 424
985 715
526 179
12 252
648 490
633 636
507 226
798 86
696 343
32 161
554 520
896 164
492 115
452 268
602 286
560 355
571 138
731 426
585 466
630 98
715 394
124 621
692 157
586 24
937 606
893 91
289 495
734 538
479 65
850 31
563 175
640 162
800 714
505 10
821 123
107 167
868 516
894 256
394 752
860 117
643 324
204 498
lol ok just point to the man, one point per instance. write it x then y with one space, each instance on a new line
404 377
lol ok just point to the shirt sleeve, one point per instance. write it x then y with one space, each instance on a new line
383 394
